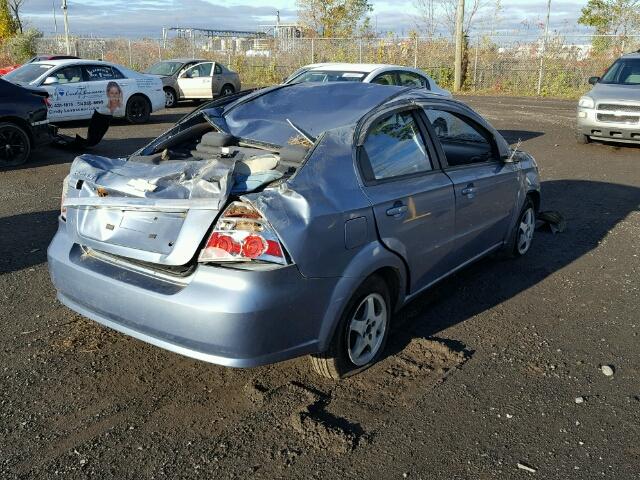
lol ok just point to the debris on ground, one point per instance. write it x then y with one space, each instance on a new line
552 220
526 468
579 400
607 370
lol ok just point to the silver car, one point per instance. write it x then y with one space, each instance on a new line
291 220
380 73
193 79
611 110
168 71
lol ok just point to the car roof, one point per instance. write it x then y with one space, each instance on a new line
185 60
357 67
72 61
632 55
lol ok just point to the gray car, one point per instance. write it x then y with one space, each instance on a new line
287 221
168 71
611 110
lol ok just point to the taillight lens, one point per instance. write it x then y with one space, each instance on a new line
65 189
242 234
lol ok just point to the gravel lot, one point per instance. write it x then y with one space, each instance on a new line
482 372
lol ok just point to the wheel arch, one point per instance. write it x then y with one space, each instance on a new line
22 123
373 259
534 195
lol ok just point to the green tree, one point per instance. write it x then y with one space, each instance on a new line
7 25
612 17
334 18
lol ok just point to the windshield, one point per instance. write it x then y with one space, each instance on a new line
27 73
328 76
625 71
164 68
312 107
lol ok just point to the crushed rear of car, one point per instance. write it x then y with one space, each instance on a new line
183 246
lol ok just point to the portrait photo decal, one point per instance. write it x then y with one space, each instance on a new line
114 97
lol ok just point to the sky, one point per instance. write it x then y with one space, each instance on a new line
145 18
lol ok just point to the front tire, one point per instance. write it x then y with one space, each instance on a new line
582 139
170 98
361 334
15 145
138 109
524 229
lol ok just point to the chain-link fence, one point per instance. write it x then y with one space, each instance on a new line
558 65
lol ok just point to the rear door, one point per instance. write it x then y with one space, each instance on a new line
485 187
413 200
197 81
107 90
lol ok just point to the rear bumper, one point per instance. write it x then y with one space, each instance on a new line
589 125
231 317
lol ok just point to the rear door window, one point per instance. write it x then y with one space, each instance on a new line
386 78
95 73
411 79
394 147
464 141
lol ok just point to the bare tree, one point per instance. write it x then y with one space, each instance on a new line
443 12
427 16
15 6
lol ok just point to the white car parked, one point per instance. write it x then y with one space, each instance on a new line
379 73
79 87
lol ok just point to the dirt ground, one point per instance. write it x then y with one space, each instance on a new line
482 373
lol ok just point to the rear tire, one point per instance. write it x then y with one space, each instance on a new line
138 109
15 145
227 89
361 334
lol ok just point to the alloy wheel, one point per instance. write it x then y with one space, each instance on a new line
366 329
169 99
525 231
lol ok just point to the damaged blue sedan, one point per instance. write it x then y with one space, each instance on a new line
289 221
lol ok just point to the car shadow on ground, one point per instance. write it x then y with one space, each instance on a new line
108 147
592 210
25 238
513 136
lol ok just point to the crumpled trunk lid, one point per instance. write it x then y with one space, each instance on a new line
152 212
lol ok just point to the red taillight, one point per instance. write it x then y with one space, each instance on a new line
242 234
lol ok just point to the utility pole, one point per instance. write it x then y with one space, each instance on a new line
457 80
544 48
66 26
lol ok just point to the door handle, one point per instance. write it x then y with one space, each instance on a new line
469 190
397 211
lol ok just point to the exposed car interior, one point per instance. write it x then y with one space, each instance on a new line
256 165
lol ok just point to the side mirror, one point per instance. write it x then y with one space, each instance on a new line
50 81
594 80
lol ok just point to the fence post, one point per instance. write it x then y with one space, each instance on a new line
130 56
415 52
623 45
544 48
313 51
475 65
159 52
